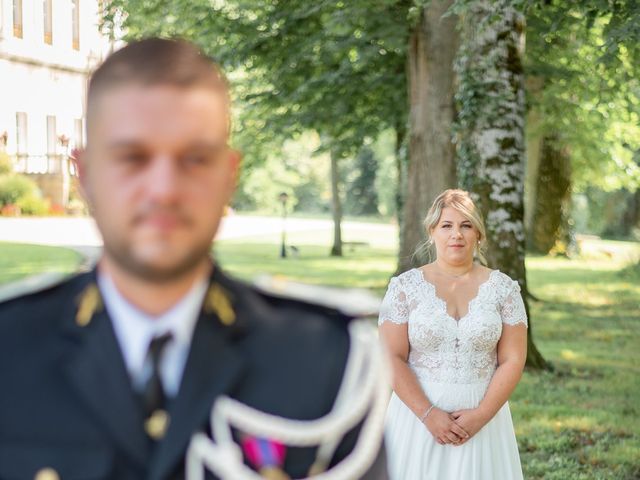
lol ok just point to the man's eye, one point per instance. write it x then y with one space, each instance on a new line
196 159
136 158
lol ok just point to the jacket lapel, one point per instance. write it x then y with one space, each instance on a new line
96 370
213 368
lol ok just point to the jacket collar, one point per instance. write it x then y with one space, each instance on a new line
95 369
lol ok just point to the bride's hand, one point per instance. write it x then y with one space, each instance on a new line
444 428
471 420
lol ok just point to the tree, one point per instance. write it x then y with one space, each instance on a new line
552 196
490 132
361 196
329 67
583 104
432 48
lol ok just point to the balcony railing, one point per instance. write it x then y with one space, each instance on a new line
43 164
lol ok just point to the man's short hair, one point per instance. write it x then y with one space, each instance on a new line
156 61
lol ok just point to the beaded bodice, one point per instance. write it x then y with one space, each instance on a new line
441 348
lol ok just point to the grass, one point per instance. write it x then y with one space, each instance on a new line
19 260
365 266
580 421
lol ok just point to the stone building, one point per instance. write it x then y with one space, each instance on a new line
47 50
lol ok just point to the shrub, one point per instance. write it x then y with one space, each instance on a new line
5 164
14 187
32 204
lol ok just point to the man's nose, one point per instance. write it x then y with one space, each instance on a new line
163 178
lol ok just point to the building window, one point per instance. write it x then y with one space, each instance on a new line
21 137
75 24
47 15
17 18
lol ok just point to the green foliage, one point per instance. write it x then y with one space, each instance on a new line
33 204
387 184
361 196
297 169
334 67
16 187
5 164
609 214
583 79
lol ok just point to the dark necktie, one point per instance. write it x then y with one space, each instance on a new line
153 395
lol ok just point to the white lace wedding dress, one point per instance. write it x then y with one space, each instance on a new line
454 362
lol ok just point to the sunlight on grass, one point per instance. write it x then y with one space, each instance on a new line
18 260
580 421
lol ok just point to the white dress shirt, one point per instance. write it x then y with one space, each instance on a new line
135 329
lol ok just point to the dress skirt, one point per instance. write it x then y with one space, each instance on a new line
414 454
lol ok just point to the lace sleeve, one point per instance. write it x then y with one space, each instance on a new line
512 309
394 305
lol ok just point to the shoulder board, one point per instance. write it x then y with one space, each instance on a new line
353 302
32 285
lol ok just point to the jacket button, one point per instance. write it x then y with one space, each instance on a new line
47 474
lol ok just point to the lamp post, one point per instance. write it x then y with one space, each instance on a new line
283 197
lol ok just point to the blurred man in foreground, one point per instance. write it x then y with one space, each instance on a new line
113 373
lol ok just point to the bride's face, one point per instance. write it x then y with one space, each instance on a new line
455 237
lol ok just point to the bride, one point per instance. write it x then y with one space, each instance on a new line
457 334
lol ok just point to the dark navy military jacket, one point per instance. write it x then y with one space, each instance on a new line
66 401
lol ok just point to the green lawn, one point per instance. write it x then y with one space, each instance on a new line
580 421
19 260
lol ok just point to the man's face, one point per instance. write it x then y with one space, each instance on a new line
157 173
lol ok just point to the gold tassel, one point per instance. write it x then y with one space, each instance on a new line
89 302
217 301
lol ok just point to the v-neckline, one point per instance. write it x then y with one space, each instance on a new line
443 303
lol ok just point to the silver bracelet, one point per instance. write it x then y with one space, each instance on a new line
426 414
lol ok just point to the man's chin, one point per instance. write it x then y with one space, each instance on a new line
160 267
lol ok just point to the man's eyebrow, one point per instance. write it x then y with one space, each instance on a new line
124 144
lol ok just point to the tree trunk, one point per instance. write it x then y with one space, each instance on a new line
491 134
631 215
336 206
534 142
431 169
553 190
401 167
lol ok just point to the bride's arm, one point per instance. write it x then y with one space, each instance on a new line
512 353
406 386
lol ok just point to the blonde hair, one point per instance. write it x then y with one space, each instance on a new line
461 201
